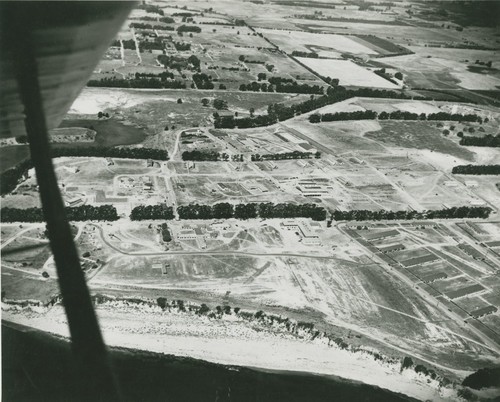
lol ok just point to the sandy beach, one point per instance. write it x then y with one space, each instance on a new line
231 341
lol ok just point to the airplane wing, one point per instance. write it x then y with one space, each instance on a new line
48 50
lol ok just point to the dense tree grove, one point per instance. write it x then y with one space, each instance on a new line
157 44
476 169
149 8
142 82
279 112
285 155
203 81
189 28
146 212
486 141
165 233
395 115
126 153
195 155
81 213
168 20
483 378
182 46
10 177
245 211
173 62
194 61
127 44
265 210
447 213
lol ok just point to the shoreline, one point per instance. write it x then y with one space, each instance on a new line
231 343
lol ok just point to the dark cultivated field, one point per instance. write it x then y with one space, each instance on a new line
109 132
12 155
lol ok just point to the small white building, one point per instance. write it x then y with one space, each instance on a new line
74 202
471 183
186 234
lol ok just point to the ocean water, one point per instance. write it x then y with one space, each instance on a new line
37 367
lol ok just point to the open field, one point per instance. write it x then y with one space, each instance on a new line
328 45
348 73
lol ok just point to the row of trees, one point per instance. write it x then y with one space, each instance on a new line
396 115
486 141
142 25
81 213
476 169
265 210
144 82
312 55
293 87
279 112
225 210
286 155
446 213
146 212
210 156
356 115
111 152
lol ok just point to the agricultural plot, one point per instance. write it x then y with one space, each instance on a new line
418 135
348 73
326 45
442 71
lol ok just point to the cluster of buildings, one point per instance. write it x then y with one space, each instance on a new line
308 232
313 188
254 187
201 233
145 182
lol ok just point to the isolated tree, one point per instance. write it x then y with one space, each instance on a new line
179 100
252 111
398 75
241 58
222 86
205 102
261 76
162 302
